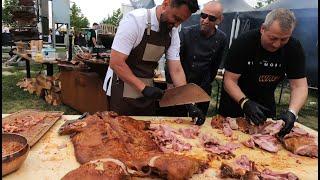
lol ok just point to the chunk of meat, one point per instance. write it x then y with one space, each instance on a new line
213 145
241 168
217 122
98 170
244 125
271 175
249 143
271 127
190 133
233 123
167 139
266 142
177 167
304 145
227 131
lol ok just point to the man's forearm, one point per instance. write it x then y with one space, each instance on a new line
177 74
233 90
298 96
118 65
230 84
94 42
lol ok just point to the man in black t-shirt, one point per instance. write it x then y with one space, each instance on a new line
92 40
256 63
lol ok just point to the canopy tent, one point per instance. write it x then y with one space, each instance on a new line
235 6
291 4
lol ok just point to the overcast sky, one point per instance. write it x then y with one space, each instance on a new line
96 10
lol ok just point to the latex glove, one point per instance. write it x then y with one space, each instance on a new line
255 112
152 92
196 114
289 118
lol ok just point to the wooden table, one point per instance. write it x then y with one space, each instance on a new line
27 58
53 156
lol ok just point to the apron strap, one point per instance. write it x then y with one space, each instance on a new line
149 22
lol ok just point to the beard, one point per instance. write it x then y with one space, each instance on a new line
205 30
164 26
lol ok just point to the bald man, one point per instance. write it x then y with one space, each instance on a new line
201 50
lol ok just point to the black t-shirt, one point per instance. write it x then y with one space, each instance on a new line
92 33
261 71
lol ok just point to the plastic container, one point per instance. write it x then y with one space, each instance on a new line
49 54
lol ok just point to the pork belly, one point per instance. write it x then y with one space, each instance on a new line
108 136
99 170
300 142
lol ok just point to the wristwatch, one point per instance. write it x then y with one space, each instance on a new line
294 113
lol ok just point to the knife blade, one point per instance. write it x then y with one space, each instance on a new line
186 94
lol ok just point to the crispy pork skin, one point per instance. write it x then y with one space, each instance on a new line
108 136
98 170
300 142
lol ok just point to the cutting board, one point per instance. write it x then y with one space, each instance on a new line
34 133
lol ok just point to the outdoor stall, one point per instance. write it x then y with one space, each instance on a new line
53 156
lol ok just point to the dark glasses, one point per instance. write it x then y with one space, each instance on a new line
211 18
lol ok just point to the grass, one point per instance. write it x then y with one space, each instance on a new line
308 115
15 99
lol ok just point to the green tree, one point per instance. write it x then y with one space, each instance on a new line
7 7
114 19
262 3
77 19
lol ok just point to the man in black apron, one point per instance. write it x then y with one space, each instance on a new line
256 63
201 51
132 90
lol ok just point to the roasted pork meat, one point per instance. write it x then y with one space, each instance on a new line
106 135
300 142
243 168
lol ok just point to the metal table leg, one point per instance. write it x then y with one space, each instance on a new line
49 69
28 68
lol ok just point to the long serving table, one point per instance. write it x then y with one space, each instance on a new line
52 156
28 59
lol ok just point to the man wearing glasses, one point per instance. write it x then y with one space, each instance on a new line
201 50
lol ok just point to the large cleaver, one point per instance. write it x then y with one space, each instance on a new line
186 94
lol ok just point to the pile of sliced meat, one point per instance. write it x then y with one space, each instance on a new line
171 140
22 123
297 141
123 144
243 168
213 145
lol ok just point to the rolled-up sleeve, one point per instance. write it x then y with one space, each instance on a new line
126 35
173 52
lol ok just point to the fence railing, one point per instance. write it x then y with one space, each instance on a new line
107 29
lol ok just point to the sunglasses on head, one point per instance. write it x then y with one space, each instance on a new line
211 18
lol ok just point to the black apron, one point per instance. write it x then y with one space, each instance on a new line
143 59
